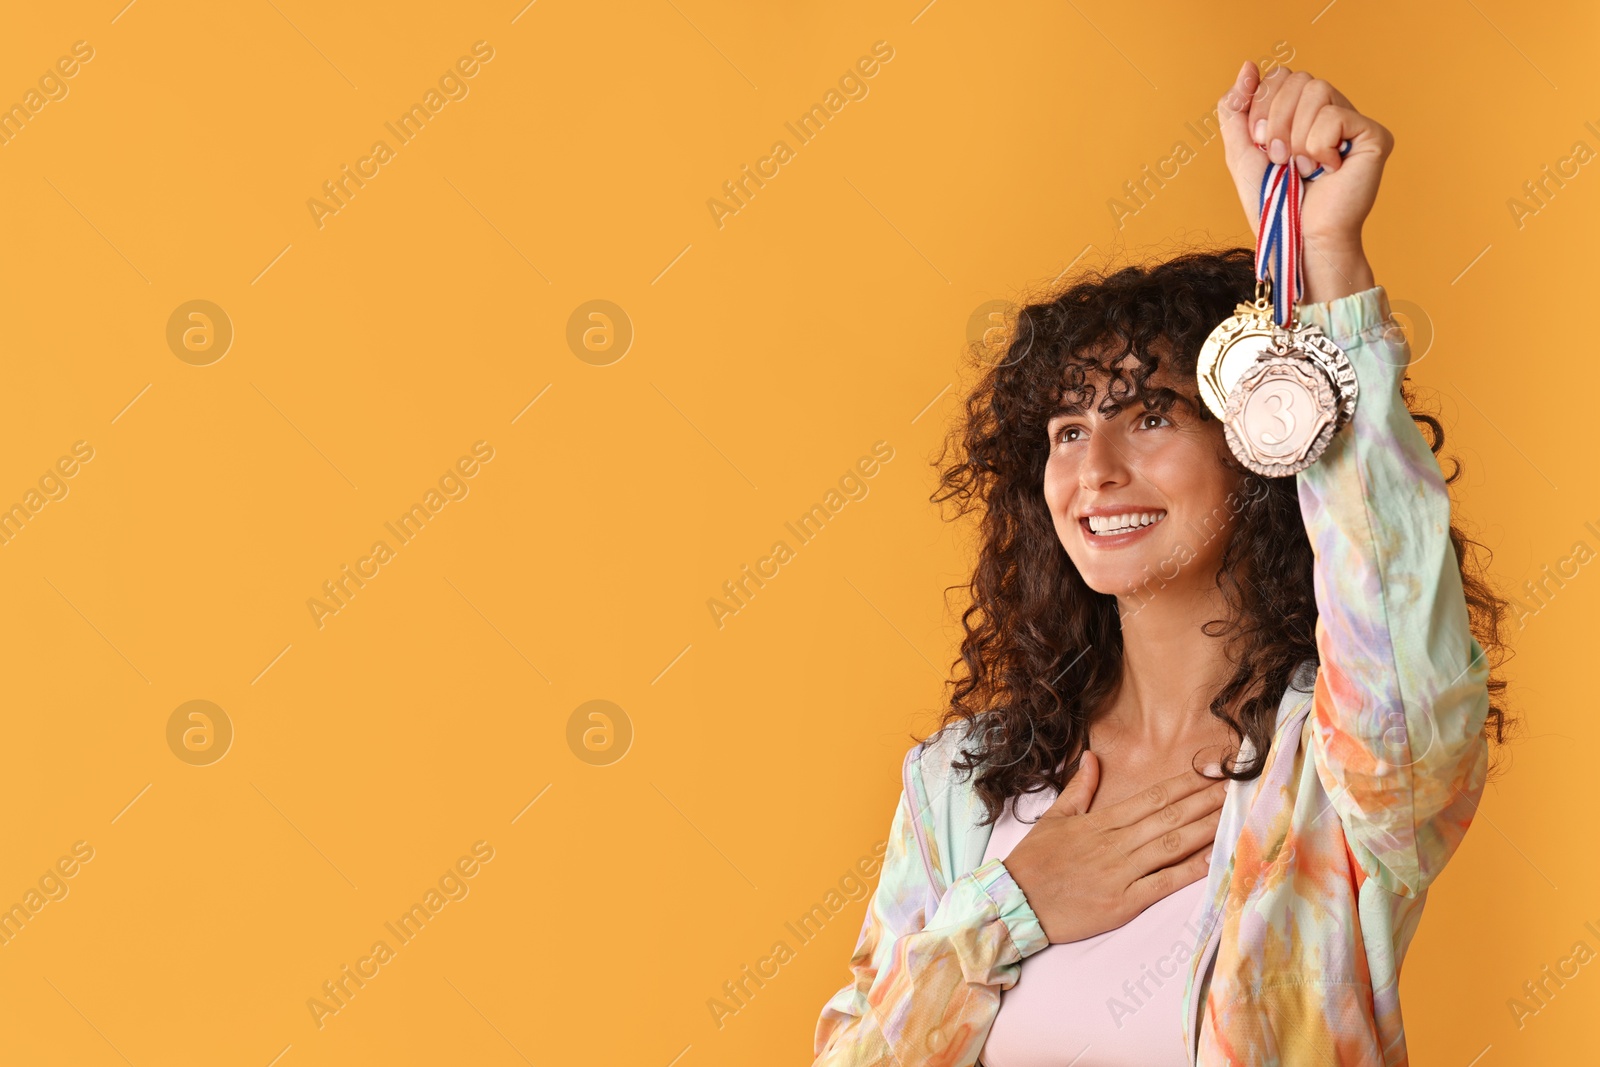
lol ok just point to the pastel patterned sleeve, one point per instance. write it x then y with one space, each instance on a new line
927 993
1400 698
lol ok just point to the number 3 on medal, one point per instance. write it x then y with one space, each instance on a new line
1284 412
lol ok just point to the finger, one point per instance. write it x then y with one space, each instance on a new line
1325 135
1079 792
1280 115
1168 880
1176 843
1316 96
1261 102
1152 799
1233 110
1193 808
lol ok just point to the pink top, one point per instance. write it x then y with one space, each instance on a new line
1111 1000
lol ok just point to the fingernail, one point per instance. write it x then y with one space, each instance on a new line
1208 853
1261 130
1212 770
1278 152
1304 165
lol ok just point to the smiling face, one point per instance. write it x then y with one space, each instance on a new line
1142 498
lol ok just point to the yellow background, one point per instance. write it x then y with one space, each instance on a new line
769 354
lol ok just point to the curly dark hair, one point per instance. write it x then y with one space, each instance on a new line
1042 650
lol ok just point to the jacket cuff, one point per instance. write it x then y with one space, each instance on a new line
1350 320
991 887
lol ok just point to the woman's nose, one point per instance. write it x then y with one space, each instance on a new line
1103 461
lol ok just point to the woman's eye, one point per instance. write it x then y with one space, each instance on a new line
1152 415
1063 434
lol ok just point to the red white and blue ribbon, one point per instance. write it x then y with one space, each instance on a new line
1278 241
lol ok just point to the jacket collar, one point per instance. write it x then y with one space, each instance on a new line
950 809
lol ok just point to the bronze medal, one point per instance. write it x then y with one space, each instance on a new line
1286 407
1310 342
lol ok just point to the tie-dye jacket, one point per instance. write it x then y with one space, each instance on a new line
1321 865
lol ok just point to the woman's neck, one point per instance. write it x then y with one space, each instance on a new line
1171 670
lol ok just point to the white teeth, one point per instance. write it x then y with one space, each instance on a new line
1113 524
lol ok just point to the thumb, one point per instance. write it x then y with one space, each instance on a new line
1233 110
1246 162
1079 793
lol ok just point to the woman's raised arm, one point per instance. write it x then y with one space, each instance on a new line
1402 692
1401 696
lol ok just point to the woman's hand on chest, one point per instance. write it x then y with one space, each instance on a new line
1085 872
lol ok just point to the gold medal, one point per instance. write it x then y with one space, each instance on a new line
1231 348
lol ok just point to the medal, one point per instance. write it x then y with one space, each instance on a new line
1231 347
1281 413
1281 387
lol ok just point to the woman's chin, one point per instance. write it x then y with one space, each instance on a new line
1120 580
1137 571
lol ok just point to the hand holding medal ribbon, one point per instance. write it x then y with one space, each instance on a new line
1283 388
1279 245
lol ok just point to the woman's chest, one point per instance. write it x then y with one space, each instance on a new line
1112 1000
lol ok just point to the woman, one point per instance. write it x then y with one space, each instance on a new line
1062 884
